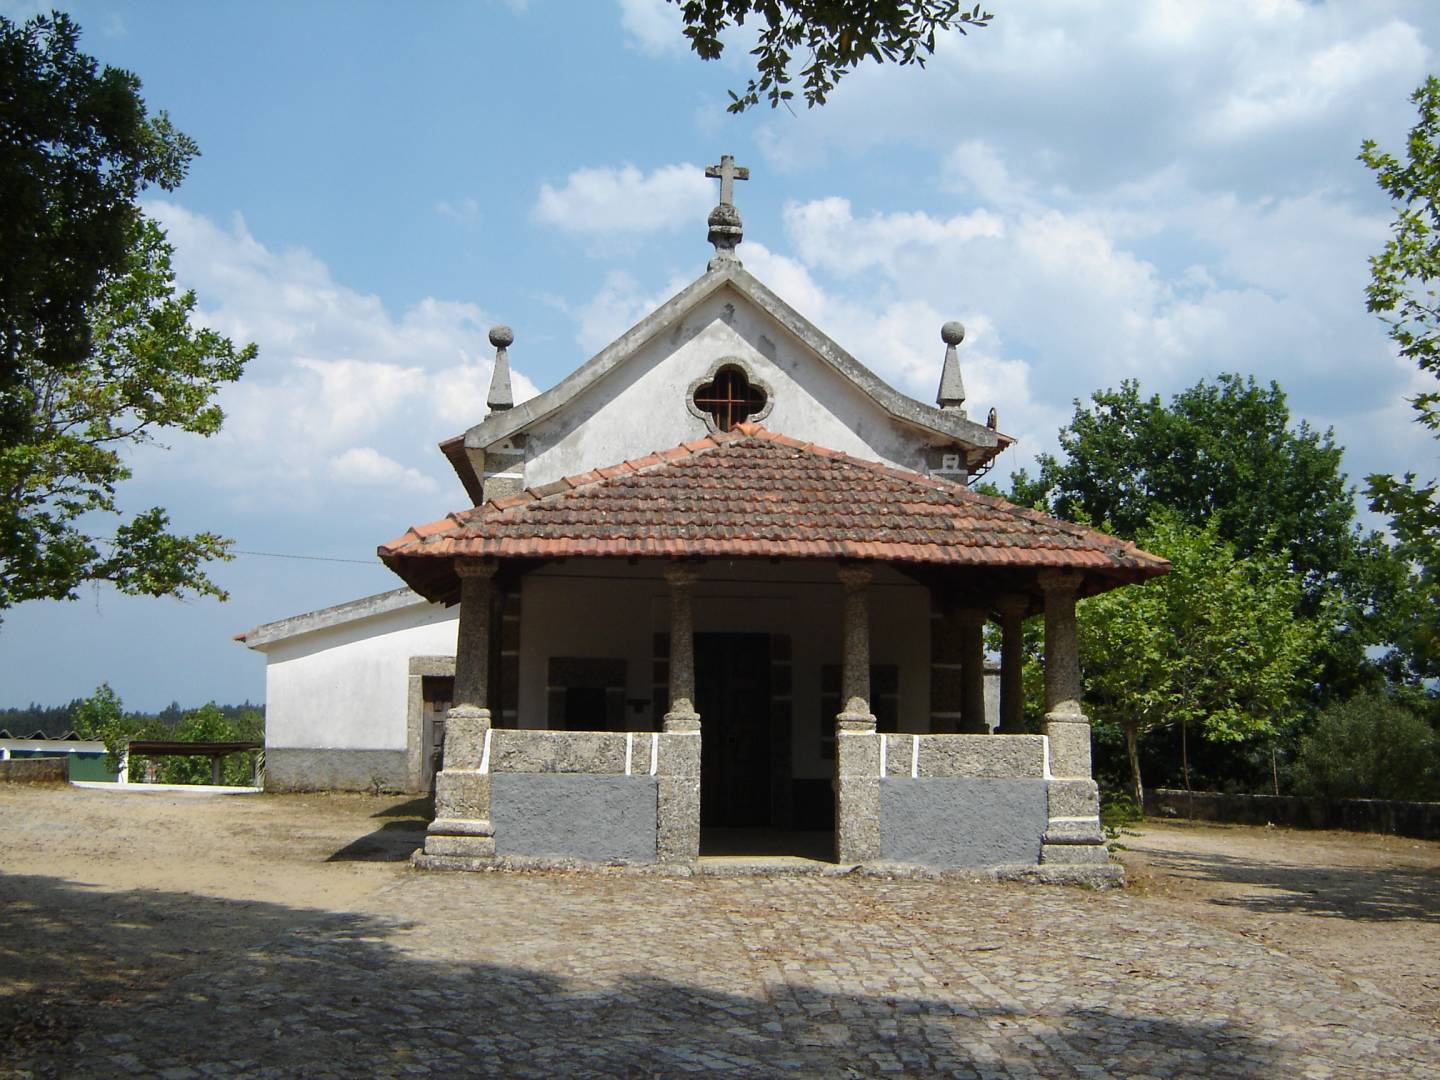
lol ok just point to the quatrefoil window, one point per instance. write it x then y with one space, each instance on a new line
728 398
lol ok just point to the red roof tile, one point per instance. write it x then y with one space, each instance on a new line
754 493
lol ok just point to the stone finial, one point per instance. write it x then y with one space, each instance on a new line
952 387
726 228
501 397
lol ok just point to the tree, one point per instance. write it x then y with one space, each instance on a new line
1227 452
1224 450
102 717
1369 748
1403 291
78 149
1213 646
837 36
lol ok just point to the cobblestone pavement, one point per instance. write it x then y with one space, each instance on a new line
609 975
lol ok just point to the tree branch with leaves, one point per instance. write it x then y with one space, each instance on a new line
826 39
76 150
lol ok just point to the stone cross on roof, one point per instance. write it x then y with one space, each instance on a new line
725 225
727 172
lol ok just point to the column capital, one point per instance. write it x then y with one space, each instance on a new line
681 575
1059 581
476 568
855 575
1011 605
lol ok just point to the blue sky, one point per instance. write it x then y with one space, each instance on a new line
1099 190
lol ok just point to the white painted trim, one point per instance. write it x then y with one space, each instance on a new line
915 757
884 753
1046 743
485 751
629 751
654 752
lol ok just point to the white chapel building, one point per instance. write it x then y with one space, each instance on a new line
720 588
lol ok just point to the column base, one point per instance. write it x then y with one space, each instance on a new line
1074 855
467 839
855 723
682 723
1074 842
421 861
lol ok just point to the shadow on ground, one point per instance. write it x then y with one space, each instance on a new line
1379 894
394 839
105 983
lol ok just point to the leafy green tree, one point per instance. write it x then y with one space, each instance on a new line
1224 451
1212 647
1403 291
837 37
102 717
1369 748
1227 452
77 149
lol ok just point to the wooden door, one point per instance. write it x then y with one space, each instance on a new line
732 696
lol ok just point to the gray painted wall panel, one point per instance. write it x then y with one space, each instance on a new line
962 822
568 816
335 770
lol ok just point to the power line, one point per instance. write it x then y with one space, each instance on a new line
309 558
279 555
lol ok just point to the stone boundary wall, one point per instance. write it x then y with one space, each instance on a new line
1414 819
36 770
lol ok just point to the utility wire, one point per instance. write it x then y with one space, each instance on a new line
308 558
278 555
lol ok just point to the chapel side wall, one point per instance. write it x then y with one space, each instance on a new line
337 700
810 401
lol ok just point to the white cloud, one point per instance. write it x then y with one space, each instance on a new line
464 210
364 466
1091 93
342 389
653 26
607 201
619 305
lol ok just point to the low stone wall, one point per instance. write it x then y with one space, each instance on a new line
36 770
575 795
962 801
962 823
1413 819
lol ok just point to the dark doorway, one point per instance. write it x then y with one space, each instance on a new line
732 696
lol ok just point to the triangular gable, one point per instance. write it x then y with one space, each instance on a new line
976 443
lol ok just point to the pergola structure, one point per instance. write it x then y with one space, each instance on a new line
755 495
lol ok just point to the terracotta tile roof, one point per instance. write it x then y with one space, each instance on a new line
756 493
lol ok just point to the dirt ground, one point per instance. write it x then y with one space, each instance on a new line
205 881
1365 905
